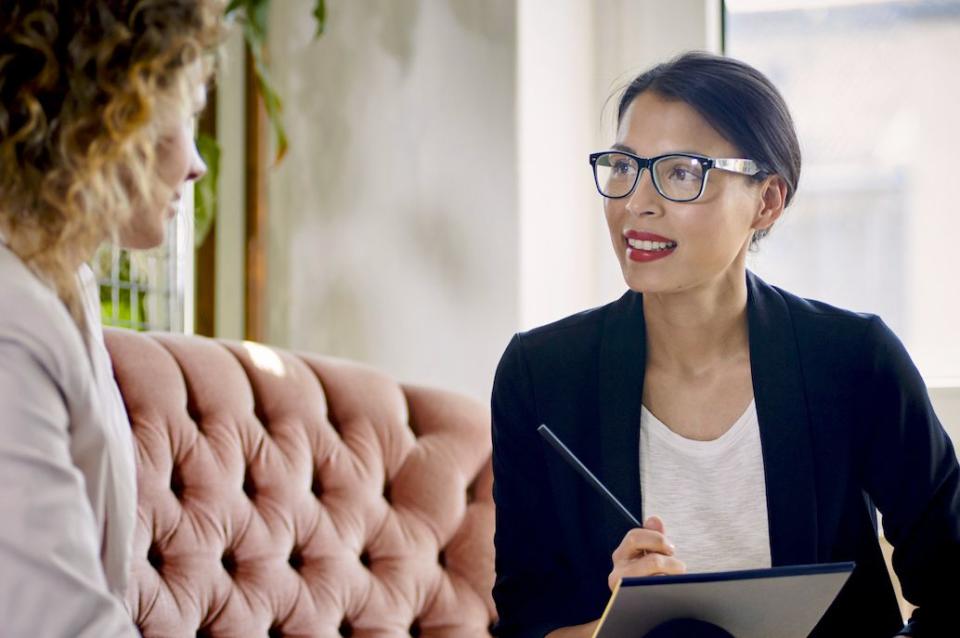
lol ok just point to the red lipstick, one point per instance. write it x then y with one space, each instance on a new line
647 246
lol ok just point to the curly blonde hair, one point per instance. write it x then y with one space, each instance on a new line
84 87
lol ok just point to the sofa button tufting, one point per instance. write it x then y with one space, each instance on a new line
323 460
154 557
176 483
229 563
193 411
296 560
249 487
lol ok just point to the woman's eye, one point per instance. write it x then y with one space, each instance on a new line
682 175
622 168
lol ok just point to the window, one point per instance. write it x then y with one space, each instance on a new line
148 290
873 91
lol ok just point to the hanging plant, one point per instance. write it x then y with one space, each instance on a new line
252 15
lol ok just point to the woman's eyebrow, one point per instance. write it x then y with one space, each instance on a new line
627 149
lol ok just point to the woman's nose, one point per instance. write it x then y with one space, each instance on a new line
197 166
644 199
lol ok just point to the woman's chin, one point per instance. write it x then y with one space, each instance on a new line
146 228
646 281
142 238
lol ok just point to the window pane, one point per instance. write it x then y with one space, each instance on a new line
875 226
145 290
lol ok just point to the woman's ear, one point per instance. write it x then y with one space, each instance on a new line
773 198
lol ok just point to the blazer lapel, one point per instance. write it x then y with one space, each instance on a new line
622 364
784 426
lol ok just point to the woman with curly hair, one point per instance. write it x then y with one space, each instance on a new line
97 102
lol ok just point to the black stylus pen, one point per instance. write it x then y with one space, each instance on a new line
571 458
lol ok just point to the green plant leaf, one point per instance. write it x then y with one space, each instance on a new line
205 189
254 16
272 103
258 16
320 13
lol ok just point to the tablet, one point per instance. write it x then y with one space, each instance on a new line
786 602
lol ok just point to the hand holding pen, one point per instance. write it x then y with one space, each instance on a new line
645 552
645 549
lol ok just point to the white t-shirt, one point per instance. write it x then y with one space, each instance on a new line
710 494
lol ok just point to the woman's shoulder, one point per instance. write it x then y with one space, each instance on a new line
814 310
565 349
33 318
851 336
583 325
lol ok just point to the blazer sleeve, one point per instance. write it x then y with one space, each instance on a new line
52 582
912 475
533 593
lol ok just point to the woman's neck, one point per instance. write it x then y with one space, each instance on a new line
691 331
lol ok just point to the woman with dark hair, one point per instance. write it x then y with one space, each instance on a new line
98 100
750 427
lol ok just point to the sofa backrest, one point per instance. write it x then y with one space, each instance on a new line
287 494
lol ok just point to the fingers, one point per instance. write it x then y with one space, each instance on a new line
654 523
648 565
645 552
639 541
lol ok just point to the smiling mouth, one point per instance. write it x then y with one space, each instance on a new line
650 246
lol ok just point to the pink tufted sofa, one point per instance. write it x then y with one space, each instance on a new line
296 495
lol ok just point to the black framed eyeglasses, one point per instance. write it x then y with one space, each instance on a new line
679 177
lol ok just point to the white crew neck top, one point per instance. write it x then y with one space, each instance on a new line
711 495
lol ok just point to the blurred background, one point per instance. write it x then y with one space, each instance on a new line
435 195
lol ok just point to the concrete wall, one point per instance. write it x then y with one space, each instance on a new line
230 207
393 236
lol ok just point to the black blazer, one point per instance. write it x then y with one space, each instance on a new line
846 427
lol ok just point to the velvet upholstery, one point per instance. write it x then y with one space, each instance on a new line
286 494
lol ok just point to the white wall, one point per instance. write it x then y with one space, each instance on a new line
945 396
229 319
393 232
556 121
